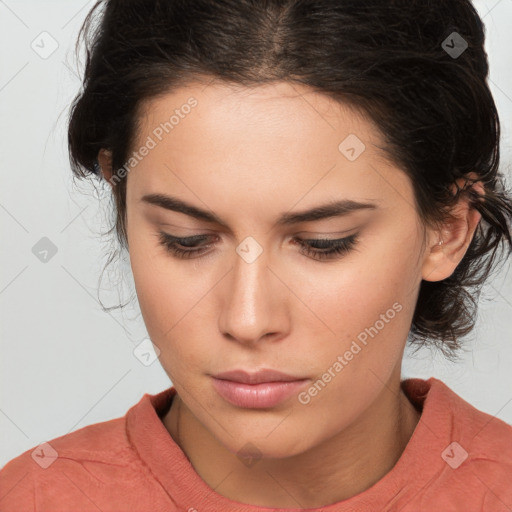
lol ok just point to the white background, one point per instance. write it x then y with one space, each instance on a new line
66 364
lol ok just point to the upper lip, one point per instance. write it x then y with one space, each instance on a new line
258 377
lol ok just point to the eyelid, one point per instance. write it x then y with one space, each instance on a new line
211 238
330 234
207 240
200 230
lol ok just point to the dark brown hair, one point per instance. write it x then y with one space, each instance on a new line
390 60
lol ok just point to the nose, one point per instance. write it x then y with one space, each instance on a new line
254 301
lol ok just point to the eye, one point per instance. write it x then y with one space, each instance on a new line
317 248
172 243
327 249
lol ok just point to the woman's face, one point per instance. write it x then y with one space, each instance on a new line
252 297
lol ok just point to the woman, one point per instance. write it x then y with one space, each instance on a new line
303 186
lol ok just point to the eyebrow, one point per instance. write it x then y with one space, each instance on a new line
337 208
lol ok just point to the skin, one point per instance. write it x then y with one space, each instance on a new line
249 155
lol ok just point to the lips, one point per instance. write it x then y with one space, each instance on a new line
259 390
265 375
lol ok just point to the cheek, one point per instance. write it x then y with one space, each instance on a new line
171 299
367 307
161 288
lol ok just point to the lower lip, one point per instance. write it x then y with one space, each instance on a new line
257 396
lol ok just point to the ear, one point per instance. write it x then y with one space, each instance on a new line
105 161
441 260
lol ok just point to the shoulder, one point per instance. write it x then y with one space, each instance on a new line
70 469
449 414
476 449
485 436
486 447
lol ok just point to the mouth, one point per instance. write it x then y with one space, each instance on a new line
260 390
257 377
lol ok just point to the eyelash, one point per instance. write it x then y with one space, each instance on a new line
335 248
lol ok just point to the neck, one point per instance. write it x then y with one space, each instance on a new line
340 467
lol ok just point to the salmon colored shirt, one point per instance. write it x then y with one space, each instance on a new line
458 459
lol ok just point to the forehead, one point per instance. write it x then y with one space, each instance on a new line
256 124
281 137
273 109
